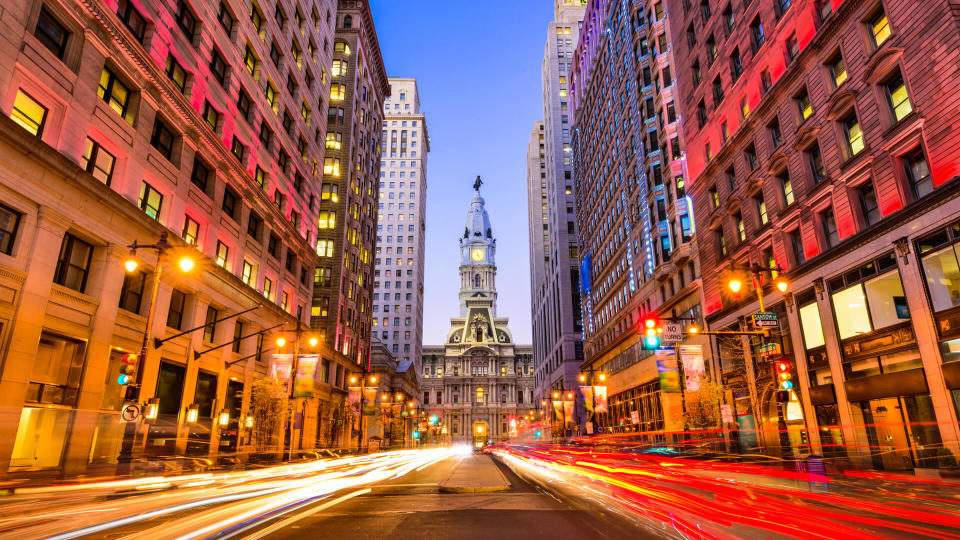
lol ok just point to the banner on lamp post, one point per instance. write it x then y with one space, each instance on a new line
600 399
369 400
557 411
353 397
667 368
306 376
587 392
691 356
568 410
280 367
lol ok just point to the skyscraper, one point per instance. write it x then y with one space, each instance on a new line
343 290
554 288
401 223
638 257
478 382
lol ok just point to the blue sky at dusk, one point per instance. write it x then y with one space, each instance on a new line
477 66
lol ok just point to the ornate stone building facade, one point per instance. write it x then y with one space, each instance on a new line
479 383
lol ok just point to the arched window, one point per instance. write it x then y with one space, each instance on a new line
348 22
476 281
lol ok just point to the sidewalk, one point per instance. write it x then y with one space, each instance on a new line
475 474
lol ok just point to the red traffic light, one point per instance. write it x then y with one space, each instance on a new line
129 359
782 366
128 366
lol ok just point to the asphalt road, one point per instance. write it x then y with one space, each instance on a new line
413 507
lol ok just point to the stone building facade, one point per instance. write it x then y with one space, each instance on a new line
479 383
820 140
124 120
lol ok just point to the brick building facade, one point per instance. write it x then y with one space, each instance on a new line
820 140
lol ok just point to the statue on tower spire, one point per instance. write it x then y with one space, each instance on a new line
477 183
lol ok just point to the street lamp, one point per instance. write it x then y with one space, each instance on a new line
161 246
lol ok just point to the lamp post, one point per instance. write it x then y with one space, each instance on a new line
756 276
186 264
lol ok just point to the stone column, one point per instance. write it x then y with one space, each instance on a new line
803 384
27 322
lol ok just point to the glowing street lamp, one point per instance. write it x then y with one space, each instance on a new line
735 285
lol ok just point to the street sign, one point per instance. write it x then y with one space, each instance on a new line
672 333
765 319
769 349
130 411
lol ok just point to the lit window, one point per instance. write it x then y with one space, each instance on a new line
150 200
334 140
116 94
331 166
787 186
176 73
29 113
325 248
327 219
804 105
898 98
854 135
879 28
97 161
918 174
223 254
338 91
838 71
191 231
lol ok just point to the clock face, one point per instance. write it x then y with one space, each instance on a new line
477 255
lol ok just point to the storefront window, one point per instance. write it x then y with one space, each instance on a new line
943 278
875 303
41 435
810 323
950 350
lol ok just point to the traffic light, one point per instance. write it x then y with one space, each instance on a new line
651 333
128 366
781 373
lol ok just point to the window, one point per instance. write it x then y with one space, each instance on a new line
178 301
218 66
29 113
273 246
97 161
741 228
898 98
243 104
736 65
701 114
191 231
717 91
782 7
796 246
9 224
325 248
838 70
223 254
828 225
275 54
756 34
714 197
176 73
331 166
918 174
762 210
776 136
150 200
334 140
248 274
132 19
868 304
201 175
115 94
793 48
73 263
879 28
226 18
804 105
270 92
238 149
337 92
210 115
817 169
51 33
254 226
186 20
210 322
162 138
854 136
231 203
256 18
131 292
868 203
268 288
750 155
786 186
810 324
235 347
327 219
721 243
824 9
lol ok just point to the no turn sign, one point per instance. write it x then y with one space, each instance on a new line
130 411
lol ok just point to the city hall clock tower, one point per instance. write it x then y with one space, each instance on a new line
478 270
